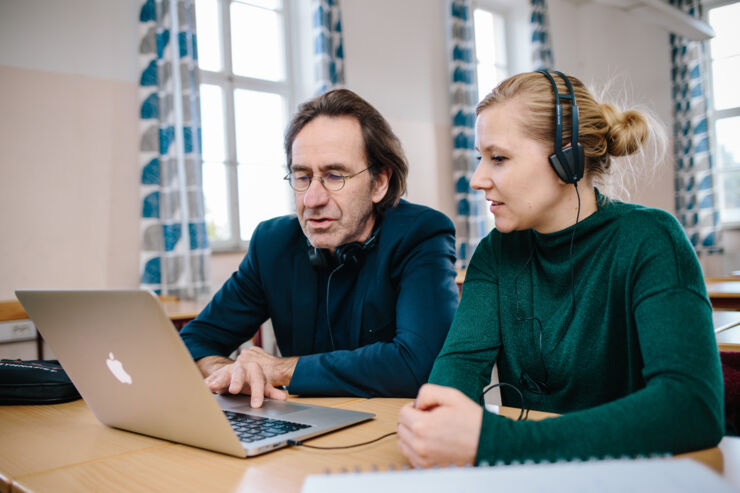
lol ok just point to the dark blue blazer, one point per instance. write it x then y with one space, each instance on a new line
401 306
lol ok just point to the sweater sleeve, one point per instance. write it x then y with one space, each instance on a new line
468 355
680 407
425 304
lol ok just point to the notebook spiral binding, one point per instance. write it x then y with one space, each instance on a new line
391 467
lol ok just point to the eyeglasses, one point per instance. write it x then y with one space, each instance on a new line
332 181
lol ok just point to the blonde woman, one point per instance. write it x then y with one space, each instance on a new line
593 308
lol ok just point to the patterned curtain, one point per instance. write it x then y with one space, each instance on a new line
328 46
470 221
174 246
540 27
695 205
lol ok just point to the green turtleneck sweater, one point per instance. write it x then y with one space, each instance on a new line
634 369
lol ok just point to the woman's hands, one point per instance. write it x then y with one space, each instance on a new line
441 428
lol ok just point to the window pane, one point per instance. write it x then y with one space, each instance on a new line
724 21
208 24
731 196
260 123
262 194
257 42
728 145
490 50
484 39
486 77
212 122
726 79
728 164
216 201
499 34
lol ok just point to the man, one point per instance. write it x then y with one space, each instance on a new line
360 285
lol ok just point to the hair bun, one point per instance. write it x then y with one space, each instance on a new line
627 130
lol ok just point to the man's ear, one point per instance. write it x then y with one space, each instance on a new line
380 185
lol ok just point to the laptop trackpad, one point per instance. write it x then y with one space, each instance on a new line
270 408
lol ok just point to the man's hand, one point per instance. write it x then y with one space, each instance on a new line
254 372
278 371
441 428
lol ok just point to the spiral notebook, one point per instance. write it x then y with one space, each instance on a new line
605 476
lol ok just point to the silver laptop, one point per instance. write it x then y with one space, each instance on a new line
132 369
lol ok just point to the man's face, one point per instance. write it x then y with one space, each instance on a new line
333 218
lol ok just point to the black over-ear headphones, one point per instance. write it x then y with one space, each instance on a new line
568 163
348 255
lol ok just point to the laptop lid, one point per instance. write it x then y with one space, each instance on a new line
134 372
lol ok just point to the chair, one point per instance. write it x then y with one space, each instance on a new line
12 310
731 375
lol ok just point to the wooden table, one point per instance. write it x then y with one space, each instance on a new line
182 311
727 340
724 293
63 448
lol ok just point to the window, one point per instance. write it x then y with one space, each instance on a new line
490 49
724 114
246 94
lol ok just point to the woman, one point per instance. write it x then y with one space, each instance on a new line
593 308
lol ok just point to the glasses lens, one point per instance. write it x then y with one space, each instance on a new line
333 181
300 181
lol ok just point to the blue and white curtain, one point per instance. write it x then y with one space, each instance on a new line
695 199
540 27
328 45
174 246
470 219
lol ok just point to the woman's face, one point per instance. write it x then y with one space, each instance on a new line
515 173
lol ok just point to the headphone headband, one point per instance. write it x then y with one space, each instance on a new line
569 163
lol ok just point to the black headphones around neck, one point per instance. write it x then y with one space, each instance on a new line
568 163
348 255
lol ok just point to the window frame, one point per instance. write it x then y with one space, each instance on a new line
229 83
712 117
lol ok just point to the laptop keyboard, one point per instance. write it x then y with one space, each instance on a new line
253 428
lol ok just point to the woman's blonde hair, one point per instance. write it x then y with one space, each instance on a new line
604 131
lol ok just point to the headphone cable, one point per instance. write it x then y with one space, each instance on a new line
298 442
572 272
532 384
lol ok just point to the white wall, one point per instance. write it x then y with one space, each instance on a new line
81 37
69 200
396 59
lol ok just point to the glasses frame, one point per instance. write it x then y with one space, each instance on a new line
321 179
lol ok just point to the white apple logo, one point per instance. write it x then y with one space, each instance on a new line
116 368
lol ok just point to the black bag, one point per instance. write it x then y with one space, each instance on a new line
34 382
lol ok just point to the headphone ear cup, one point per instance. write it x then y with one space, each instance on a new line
581 162
349 254
560 167
317 257
568 164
